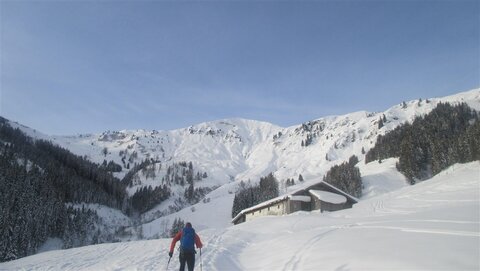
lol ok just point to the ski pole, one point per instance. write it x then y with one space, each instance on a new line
201 263
169 261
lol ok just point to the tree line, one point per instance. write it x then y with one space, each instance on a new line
146 198
181 173
248 195
346 177
449 134
37 179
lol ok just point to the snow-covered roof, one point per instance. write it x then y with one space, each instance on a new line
342 192
300 198
306 186
328 196
292 196
261 205
266 203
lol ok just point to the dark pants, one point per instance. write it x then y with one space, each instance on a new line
188 258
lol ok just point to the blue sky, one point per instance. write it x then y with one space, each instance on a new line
88 66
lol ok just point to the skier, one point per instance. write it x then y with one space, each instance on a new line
187 238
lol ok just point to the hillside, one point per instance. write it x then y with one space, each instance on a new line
193 173
239 149
235 150
433 225
42 187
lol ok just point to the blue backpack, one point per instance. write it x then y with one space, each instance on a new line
188 240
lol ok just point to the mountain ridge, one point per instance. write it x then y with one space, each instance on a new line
237 149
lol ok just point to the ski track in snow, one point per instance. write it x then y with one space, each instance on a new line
299 255
220 257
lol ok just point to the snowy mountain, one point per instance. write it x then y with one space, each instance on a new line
433 225
234 150
239 149
226 152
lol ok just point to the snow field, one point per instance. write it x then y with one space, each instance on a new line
434 225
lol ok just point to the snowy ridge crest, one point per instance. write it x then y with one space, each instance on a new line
234 150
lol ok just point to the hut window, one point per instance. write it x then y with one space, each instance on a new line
268 209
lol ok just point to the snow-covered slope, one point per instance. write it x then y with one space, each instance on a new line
434 225
234 150
380 178
239 149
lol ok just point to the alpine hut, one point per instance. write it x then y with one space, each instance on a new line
319 196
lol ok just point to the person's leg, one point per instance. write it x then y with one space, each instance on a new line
191 261
182 261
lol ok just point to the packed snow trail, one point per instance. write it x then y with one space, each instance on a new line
140 255
434 225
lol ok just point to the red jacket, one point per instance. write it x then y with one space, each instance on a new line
177 237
